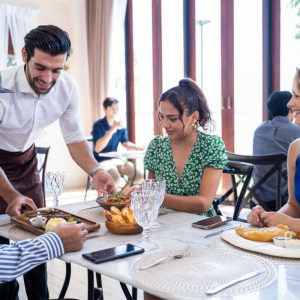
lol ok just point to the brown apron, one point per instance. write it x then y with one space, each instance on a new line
22 171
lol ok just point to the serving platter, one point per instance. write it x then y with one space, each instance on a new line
23 219
268 248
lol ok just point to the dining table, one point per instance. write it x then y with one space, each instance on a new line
212 260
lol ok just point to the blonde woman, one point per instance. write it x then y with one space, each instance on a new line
289 214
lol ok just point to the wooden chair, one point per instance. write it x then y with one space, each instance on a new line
241 174
42 156
275 161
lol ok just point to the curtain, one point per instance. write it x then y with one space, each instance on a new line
3 37
100 23
20 21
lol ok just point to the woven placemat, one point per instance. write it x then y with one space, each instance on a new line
202 269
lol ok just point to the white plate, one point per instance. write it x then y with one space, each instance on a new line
268 248
202 269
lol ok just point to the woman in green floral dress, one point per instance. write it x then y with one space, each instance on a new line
191 161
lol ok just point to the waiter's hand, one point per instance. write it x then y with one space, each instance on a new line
104 183
20 203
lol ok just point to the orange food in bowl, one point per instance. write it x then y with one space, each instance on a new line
121 221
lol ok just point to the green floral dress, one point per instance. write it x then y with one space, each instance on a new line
208 152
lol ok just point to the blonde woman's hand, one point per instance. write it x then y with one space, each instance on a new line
254 216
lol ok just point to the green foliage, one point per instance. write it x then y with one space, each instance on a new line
296 4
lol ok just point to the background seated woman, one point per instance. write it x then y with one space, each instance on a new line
289 214
191 161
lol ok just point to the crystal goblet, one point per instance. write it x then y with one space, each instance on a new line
158 185
55 184
145 209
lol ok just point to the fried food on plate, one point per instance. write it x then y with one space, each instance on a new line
128 215
115 211
124 216
265 234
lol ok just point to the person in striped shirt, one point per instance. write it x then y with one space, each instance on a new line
20 257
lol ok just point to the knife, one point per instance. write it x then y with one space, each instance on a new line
218 232
232 282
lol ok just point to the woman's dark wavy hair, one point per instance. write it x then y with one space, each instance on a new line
48 38
188 96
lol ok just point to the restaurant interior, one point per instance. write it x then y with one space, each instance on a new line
237 51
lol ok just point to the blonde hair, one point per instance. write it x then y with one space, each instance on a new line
296 82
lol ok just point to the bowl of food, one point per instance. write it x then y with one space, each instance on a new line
38 221
121 221
118 200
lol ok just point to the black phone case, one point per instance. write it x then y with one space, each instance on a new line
110 258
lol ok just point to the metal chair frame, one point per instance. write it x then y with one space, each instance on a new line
241 174
42 155
276 161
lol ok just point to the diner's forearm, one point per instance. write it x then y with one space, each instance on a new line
7 191
129 145
102 142
17 259
291 209
82 155
190 204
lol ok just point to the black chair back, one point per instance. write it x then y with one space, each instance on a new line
275 161
241 174
42 156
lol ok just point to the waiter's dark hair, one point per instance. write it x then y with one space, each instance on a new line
49 39
188 96
109 101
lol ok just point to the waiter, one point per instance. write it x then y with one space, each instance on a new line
43 93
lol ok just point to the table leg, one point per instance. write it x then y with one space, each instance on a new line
90 285
66 282
126 292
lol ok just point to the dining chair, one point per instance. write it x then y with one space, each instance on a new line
275 161
241 174
42 156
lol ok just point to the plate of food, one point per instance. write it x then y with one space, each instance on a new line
118 200
44 220
260 240
121 221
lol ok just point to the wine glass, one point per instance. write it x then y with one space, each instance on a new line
55 184
145 209
158 185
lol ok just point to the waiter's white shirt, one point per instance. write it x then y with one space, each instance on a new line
24 115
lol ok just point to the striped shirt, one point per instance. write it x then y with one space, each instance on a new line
20 257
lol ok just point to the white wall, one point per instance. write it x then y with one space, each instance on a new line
69 15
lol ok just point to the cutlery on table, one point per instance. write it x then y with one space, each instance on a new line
180 255
232 282
218 232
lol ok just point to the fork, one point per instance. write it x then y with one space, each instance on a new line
180 255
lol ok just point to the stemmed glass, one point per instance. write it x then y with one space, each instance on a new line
55 184
145 209
158 185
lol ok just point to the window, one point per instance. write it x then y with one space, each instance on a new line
143 82
247 72
290 46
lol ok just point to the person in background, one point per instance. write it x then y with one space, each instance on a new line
188 159
20 257
43 93
107 134
272 137
289 214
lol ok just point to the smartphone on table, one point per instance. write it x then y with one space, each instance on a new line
113 253
211 222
